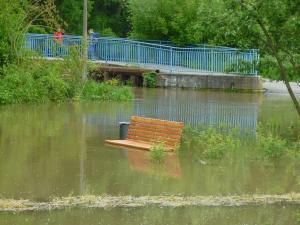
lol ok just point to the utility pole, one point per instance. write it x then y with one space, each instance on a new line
85 41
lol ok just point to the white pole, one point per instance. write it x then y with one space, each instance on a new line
85 41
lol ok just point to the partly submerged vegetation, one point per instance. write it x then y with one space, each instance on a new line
215 143
150 79
41 81
158 152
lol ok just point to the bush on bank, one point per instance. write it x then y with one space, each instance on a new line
39 82
106 91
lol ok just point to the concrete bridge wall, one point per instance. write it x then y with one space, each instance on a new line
209 81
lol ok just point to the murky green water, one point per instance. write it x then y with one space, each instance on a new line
58 150
157 216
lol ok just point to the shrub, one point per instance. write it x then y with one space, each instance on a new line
105 92
270 143
158 153
55 88
216 144
41 81
32 83
272 146
210 143
150 80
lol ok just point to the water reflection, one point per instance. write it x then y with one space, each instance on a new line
191 107
260 215
139 161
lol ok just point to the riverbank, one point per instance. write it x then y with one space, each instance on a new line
278 87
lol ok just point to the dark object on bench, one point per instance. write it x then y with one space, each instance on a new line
143 133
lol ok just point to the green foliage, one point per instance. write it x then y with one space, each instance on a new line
16 18
11 30
150 80
210 143
224 23
268 68
32 84
275 144
163 20
42 81
218 143
158 152
298 218
272 146
109 17
71 12
274 28
243 67
105 92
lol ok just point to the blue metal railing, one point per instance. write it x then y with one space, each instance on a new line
164 56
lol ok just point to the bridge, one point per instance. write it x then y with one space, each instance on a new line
197 59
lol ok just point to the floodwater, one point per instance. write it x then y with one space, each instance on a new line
57 150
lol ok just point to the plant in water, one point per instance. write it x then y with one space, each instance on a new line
150 80
271 145
210 143
158 152
105 92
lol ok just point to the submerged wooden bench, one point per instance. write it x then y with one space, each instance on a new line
144 132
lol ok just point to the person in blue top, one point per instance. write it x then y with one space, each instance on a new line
92 43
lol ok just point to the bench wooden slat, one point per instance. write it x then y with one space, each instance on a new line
144 120
144 132
133 144
151 134
156 128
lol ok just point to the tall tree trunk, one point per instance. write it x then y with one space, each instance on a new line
284 77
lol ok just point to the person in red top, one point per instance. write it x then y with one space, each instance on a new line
58 36
58 40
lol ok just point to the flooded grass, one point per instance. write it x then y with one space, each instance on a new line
91 201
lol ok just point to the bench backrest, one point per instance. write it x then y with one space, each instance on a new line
153 130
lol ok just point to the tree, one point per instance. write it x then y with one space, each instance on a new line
275 27
164 20
109 17
71 12
16 18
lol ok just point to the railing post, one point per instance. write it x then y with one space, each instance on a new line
211 66
139 54
255 52
171 59
106 50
